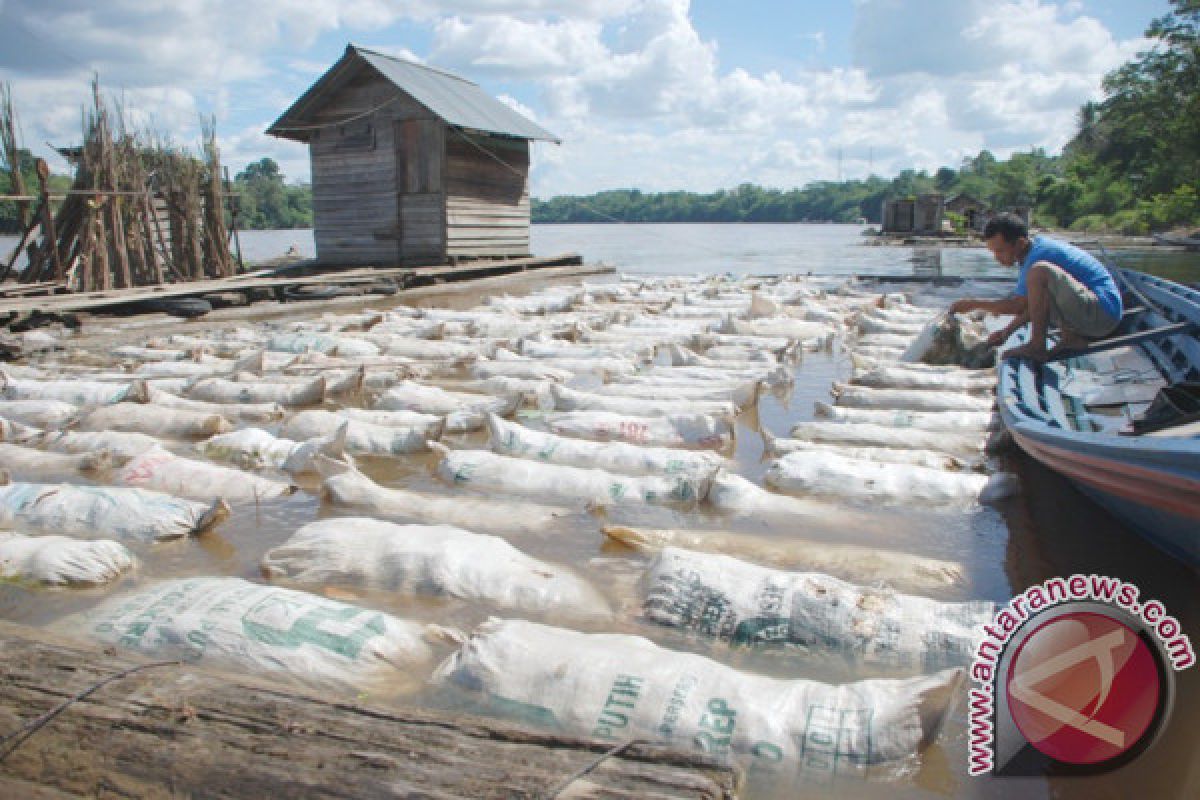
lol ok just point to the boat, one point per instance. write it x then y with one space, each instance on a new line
1096 415
1190 242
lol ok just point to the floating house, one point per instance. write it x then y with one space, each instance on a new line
920 215
412 165
975 213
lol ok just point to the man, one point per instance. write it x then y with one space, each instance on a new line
1057 282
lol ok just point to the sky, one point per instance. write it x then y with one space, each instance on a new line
657 95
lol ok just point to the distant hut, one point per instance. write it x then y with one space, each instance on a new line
920 215
411 165
974 212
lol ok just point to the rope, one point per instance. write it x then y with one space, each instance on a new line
607 754
18 737
351 118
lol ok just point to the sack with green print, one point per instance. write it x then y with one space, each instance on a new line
617 687
553 483
235 625
743 603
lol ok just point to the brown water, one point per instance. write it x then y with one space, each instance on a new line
1049 529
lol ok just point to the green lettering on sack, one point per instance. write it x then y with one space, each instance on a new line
307 629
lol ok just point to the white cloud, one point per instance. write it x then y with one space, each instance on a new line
639 95
1004 76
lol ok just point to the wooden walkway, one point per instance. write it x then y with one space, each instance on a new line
176 731
18 298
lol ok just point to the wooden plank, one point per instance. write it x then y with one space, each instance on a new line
82 301
176 730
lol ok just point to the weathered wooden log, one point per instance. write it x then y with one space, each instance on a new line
177 731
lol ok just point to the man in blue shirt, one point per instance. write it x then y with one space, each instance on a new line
1058 283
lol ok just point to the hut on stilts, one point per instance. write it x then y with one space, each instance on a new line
411 165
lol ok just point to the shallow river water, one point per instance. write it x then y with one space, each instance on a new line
1048 529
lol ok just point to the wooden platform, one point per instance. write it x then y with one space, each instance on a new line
17 298
176 731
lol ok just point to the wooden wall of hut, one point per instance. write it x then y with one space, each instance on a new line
487 196
355 207
398 186
420 171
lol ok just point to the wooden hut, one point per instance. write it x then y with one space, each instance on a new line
411 165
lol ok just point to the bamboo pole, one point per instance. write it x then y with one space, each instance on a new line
234 203
43 173
11 151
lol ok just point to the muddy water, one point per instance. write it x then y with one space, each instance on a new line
1047 530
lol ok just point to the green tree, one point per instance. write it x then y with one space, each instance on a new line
265 201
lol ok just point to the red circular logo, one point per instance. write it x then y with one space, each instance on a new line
1083 688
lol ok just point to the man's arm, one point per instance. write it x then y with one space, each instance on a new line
1013 304
1000 336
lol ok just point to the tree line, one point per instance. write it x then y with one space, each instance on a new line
1133 165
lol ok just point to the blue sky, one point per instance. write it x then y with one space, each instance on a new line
654 94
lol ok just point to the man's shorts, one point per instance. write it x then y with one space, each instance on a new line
1074 306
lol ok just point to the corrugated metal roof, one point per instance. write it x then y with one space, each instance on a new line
457 101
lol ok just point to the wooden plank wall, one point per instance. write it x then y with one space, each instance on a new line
420 146
487 196
356 207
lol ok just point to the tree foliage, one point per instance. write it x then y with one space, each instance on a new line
265 201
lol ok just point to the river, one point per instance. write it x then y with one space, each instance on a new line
1048 530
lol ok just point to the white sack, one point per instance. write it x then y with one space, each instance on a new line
512 439
702 431
61 560
618 687
254 448
933 459
742 603
740 393
123 446
75 392
247 628
163 471
347 488
566 399
429 560
176 423
945 421
29 464
220 390
252 413
814 472
411 396
909 399
105 511
737 495
867 565
867 434
900 378
362 438
484 470
46 414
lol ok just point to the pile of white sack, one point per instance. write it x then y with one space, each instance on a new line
431 468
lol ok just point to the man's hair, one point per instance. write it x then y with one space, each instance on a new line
1010 226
